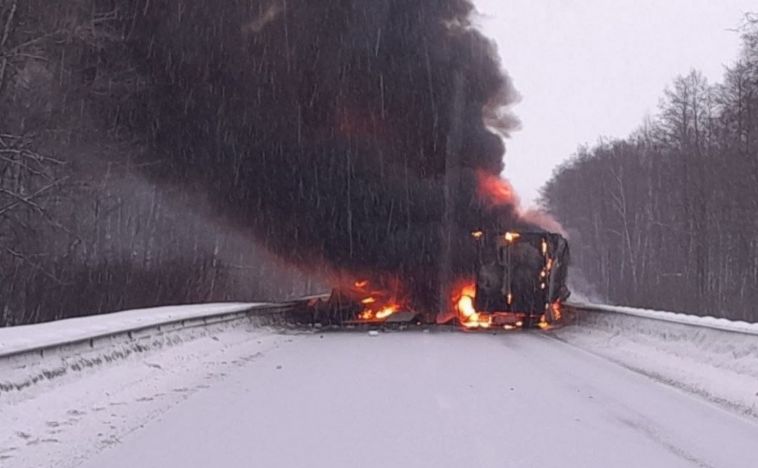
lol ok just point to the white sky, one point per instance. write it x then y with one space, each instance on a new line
591 68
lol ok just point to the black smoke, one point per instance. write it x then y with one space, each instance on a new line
345 133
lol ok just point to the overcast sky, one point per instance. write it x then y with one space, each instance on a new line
591 68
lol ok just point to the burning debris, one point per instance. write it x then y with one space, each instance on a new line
520 281
378 305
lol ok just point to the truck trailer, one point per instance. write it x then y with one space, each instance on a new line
521 277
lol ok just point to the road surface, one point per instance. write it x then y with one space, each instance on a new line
436 399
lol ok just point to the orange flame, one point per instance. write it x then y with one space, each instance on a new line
467 314
378 304
373 312
495 190
512 236
557 311
386 311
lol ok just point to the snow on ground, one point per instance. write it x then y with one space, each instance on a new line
685 351
14 339
411 399
235 395
117 336
62 422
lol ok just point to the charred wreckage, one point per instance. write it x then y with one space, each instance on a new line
520 281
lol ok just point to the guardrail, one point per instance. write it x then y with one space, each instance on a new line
272 314
22 366
712 323
265 314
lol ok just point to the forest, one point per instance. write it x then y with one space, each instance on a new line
667 217
83 229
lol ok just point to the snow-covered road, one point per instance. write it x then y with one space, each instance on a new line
418 399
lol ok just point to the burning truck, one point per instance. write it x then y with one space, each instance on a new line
519 281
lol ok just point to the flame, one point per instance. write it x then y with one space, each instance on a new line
466 307
495 190
512 236
374 311
386 311
378 304
542 324
464 304
477 234
366 315
557 311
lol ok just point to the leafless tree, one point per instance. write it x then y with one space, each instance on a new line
667 217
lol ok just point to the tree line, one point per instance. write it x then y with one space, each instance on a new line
667 217
82 230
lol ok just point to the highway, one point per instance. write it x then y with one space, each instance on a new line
439 399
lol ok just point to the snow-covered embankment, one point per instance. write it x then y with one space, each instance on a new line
37 353
715 358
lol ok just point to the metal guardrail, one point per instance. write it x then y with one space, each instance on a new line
273 314
578 310
263 314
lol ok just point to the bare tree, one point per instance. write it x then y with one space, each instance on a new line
666 218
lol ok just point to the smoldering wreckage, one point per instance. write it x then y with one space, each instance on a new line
359 139
520 282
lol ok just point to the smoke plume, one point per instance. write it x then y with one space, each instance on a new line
350 134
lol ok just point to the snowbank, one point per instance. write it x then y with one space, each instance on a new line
62 422
714 358
34 355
